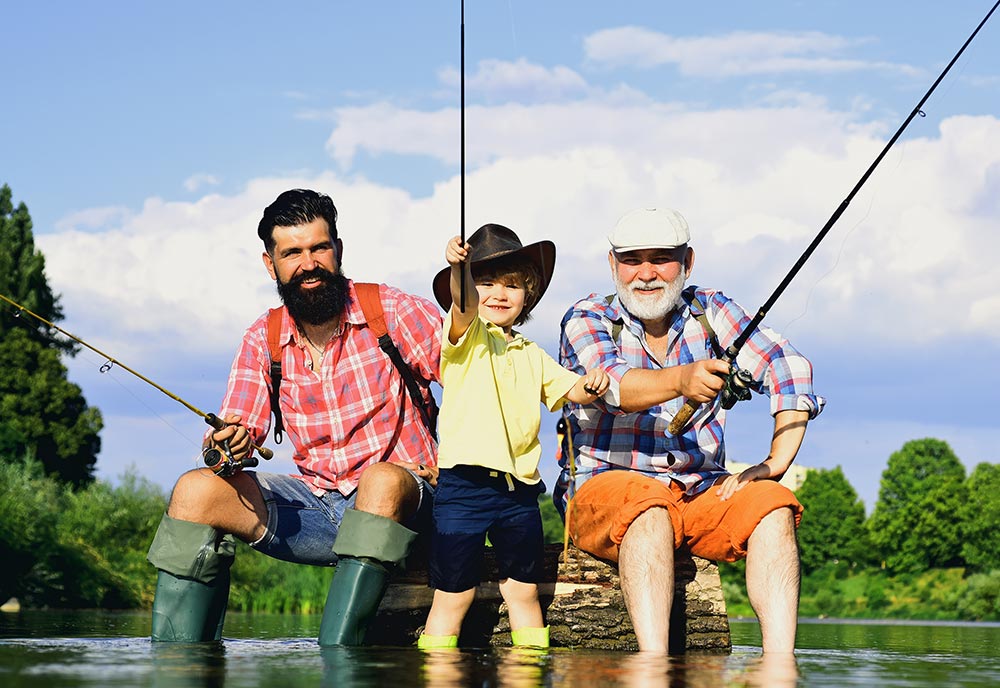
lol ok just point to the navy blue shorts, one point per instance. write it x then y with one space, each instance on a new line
471 502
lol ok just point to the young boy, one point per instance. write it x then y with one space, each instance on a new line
493 381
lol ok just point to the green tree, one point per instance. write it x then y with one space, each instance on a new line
832 528
42 414
917 521
982 518
22 277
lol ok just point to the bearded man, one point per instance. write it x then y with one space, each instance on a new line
638 492
366 457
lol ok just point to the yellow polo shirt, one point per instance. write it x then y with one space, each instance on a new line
490 407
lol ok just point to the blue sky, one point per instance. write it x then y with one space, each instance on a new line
147 138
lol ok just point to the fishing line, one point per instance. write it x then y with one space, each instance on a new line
739 381
220 463
513 33
110 374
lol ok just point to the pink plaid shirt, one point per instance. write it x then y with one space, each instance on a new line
355 410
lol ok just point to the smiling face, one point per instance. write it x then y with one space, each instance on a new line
650 281
501 299
305 263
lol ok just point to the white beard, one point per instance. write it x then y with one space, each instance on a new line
646 307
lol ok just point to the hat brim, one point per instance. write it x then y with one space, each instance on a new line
541 253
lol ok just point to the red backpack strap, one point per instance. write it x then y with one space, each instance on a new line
371 306
274 318
370 299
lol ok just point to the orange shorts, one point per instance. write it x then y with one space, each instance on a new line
605 506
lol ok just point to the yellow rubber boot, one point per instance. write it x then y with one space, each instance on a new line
436 642
530 637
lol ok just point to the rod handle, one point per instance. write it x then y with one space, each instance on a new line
682 417
219 424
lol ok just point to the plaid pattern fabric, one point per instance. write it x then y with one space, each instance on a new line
355 410
605 437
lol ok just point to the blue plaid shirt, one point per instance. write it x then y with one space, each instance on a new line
605 437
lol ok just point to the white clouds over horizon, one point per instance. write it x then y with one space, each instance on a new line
738 53
756 185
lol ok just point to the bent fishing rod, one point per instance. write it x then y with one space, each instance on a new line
221 462
739 381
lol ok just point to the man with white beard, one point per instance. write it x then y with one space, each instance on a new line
634 492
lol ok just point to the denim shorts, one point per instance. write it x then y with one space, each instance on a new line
472 502
301 526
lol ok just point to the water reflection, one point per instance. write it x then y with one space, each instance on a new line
845 654
188 665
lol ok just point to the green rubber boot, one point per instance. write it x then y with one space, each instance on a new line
437 642
355 593
368 546
192 588
530 637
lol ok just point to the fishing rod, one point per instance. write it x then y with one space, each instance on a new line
462 174
738 382
221 462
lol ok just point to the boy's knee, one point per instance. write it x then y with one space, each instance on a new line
516 592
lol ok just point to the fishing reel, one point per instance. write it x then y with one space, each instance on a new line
222 463
737 387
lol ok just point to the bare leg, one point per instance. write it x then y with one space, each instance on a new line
388 490
522 604
773 579
646 568
230 505
447 612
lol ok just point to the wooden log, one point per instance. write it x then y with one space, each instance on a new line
581 600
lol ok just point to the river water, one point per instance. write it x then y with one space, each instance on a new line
91 649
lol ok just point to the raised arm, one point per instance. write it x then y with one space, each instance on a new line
458 258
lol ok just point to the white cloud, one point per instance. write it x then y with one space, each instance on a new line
756 185
200 180
92 218
502 80
738 53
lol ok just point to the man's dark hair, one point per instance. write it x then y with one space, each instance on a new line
296 207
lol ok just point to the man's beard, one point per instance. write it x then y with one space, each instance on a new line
316 305
647 307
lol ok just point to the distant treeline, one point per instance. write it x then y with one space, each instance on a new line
929 550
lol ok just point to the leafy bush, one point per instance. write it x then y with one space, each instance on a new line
29 511
981 599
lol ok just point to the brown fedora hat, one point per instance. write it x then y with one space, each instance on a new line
492 241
